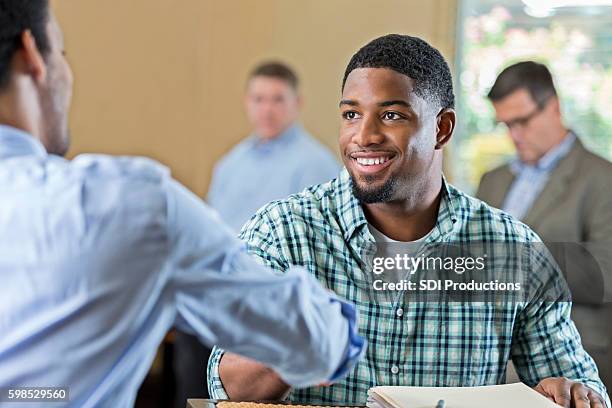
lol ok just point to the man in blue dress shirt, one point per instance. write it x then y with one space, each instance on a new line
280 158
100 256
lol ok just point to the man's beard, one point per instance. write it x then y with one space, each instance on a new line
372 195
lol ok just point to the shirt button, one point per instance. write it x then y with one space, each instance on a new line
394 369
399 312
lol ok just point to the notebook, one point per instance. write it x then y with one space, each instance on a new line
498 396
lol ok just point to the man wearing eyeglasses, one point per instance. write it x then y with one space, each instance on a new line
562 191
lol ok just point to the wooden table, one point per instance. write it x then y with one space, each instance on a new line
200 403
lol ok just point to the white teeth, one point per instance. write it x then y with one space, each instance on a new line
370 162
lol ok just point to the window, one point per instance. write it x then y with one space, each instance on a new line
575 42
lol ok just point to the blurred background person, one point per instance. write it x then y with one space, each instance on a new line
561 190
278 159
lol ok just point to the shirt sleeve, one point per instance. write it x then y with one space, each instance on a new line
546 342
260 237
216 390
290 323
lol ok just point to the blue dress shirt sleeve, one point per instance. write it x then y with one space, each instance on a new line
290 323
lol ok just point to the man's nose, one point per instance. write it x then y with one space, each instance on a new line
516 133
369 132
266 107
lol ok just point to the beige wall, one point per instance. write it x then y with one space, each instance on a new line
165 78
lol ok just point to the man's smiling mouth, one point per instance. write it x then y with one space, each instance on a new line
372 162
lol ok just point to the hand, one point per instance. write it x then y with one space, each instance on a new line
569 394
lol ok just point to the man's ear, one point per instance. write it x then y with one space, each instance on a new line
33 61
445 127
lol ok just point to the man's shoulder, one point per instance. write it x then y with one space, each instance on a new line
313 146
481 222
496 172
235 156
236 153
114 186
596 166
312 201
105 168
313 206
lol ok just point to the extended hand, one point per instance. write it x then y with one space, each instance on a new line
569 394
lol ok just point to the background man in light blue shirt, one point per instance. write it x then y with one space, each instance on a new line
280 158
100 256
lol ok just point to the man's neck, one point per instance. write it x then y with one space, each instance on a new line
263 140
407 220
561 134
14 113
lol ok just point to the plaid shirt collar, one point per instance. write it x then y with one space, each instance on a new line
354 223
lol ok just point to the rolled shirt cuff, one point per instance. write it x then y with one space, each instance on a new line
356 346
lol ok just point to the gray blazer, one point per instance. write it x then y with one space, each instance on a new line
575 206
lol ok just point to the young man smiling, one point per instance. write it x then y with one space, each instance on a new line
397 115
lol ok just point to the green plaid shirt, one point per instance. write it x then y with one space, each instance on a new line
325 230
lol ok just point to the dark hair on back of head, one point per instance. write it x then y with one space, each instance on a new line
17 16
412 57
529 75
276 69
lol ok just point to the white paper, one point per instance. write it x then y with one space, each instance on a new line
498 396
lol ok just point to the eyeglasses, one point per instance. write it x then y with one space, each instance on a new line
523 121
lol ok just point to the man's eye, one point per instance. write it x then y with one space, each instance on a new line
392 116
350 115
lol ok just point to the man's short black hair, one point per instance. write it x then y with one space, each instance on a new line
17 16
412 57
276 69
529 75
